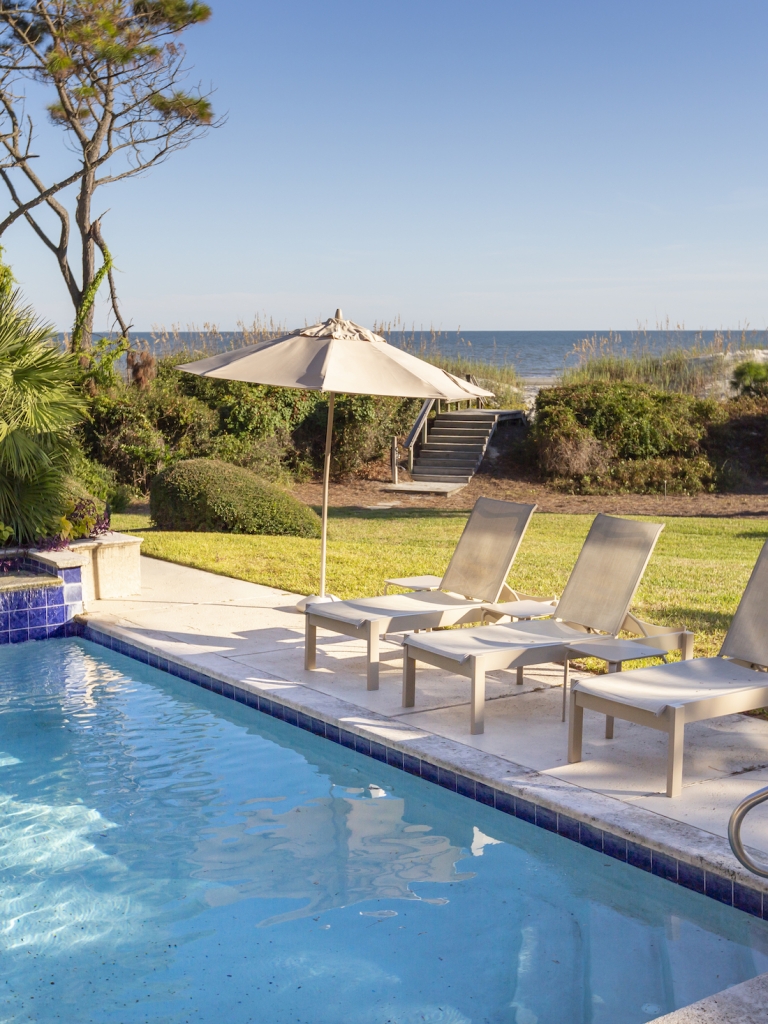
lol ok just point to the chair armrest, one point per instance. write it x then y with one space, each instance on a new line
524 608
426 583
508 594
665 637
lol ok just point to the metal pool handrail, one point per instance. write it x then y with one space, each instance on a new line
734 832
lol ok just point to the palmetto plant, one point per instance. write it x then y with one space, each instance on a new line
40 402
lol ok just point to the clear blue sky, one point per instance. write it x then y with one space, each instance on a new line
558 164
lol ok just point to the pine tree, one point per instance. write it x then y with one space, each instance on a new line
116 70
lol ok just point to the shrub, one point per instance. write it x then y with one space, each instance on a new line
135 431
363 428
751 378
82 516
600 435
263 456
100 481
738 444
210 495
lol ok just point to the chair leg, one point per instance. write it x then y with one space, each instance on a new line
676 719
613 666
566 680
575 730
686 646
520 679
310 645
409 680
477 698
372 638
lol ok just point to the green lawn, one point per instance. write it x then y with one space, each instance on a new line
695 577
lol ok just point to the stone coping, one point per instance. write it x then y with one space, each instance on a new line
27 580
746 1003
107 539
673 850
77 553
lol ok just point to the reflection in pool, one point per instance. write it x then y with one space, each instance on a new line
169 855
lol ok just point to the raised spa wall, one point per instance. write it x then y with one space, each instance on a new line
47 589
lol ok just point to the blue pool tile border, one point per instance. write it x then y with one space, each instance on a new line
41 610
690 876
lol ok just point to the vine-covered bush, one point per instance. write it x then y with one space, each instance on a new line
210 495
602 436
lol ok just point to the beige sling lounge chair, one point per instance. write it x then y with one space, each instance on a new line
596 600
476 574
667 697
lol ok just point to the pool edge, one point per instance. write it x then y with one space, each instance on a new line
510 788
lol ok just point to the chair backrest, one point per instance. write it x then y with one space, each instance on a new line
487 549
607 573
747 639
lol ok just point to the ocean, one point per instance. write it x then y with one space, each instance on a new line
534 354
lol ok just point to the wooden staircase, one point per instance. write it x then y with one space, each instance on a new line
456 443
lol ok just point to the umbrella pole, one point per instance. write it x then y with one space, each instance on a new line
326 481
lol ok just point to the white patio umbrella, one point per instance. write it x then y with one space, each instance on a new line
337 356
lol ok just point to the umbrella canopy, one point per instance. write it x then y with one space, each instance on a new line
340 356
336 356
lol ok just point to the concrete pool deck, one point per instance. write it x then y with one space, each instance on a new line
251 637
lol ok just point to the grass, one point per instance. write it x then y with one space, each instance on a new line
504 381
688 370
695 578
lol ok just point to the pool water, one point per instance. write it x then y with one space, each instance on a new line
168 855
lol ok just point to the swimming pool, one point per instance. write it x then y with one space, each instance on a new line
170 855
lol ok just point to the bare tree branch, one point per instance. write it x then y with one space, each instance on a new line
116 71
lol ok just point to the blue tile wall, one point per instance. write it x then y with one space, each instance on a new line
708 883
40 612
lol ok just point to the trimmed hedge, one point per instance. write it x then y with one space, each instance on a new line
207 495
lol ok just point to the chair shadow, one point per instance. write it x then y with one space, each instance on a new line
271 640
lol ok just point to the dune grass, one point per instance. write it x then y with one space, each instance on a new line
695 578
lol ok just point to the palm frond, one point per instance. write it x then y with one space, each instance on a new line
40 403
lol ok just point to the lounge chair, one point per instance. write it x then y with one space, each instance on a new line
596 601
667 697
476 575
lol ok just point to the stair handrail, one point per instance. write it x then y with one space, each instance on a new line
473 380
418 426
734 832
